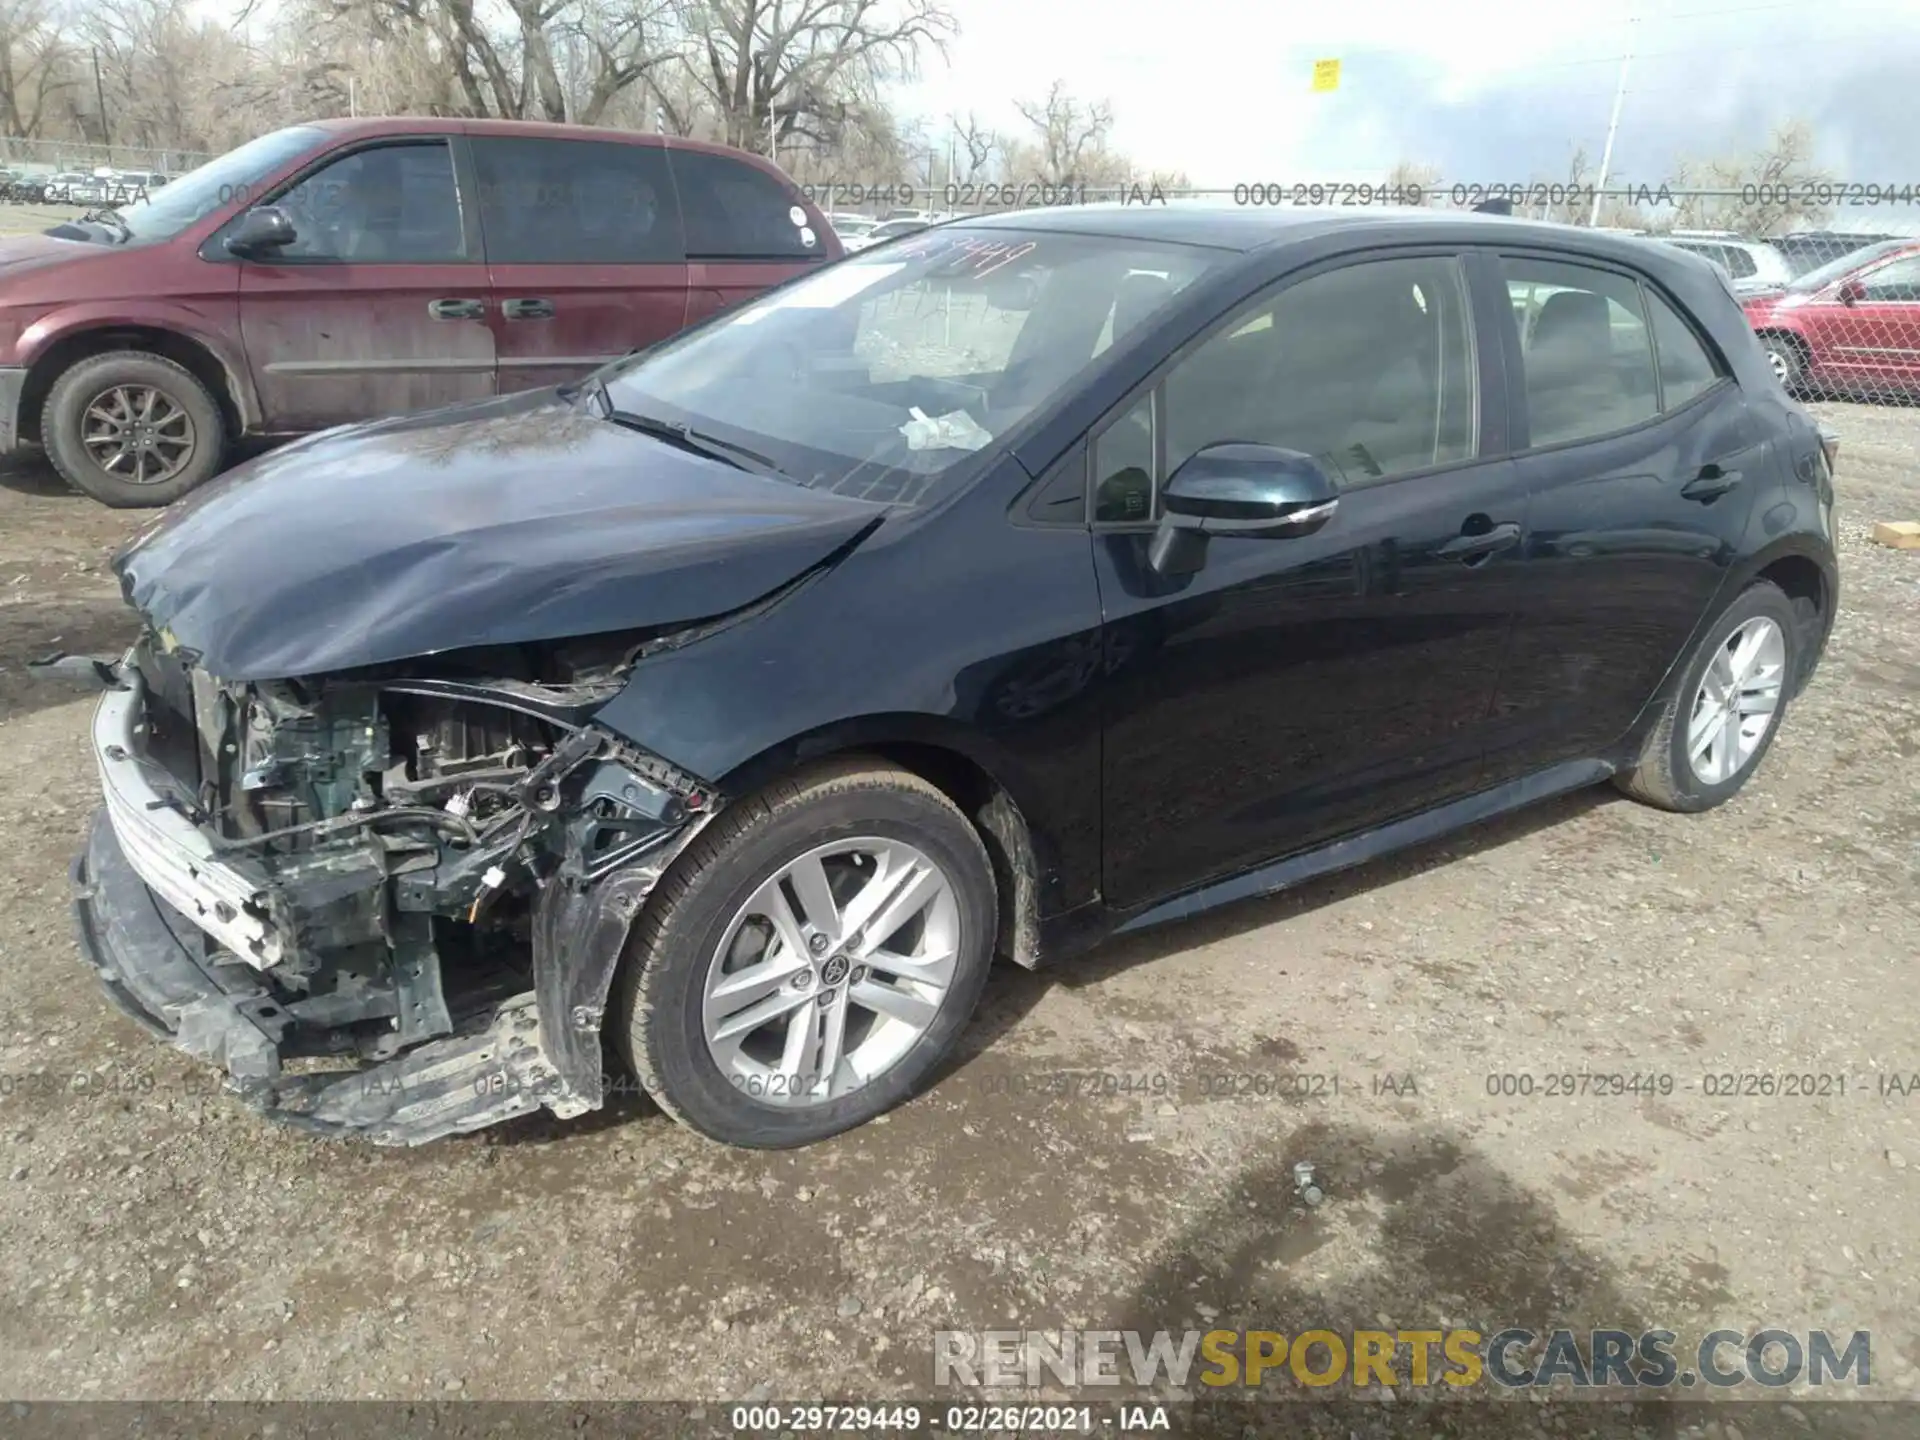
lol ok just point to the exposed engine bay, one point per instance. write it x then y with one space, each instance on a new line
427 872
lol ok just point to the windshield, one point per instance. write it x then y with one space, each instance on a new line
1833 270
234 176
880 373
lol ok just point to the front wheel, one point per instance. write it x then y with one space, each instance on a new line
1786 359
132 429
811 959
1726 710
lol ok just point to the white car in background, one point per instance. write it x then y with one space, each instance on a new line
1754 266
855 231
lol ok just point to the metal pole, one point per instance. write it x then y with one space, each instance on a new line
353 107
1613 125
100 94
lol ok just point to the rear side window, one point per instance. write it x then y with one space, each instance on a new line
736 211
575 202
1686 366
1586 349
1740 263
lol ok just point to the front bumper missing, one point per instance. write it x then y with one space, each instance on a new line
180 937
158 969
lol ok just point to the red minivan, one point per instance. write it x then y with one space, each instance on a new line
350 269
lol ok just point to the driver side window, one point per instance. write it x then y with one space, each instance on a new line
392 204
1368 368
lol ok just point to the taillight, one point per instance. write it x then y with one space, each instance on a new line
1830 447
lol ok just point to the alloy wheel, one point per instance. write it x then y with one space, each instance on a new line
831 971
137 433
1737 700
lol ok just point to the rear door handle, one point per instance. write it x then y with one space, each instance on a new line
457 309
1476 547
1711 483
527 309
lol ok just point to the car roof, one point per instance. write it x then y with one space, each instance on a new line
1247 228
379 125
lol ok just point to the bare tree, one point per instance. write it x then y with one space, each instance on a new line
1765 193
33 71
976 148
1068 145
1412 181
812 69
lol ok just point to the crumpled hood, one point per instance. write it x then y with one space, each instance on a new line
500 522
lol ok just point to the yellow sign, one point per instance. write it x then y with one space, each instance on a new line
1326 74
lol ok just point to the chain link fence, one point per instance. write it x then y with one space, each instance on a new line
42 159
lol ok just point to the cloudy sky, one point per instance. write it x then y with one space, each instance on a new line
1487 90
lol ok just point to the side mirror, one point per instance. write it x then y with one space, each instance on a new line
1851 292
261 229
1238 488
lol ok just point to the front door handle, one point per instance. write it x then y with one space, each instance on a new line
457 309
1472 548
527 309
1711 483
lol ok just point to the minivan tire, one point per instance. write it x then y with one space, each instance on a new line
658 1019
1664 776
63 416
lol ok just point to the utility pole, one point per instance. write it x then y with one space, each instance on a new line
1613 125
100 94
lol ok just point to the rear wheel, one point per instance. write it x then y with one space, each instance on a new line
1726 709
811 959
132 429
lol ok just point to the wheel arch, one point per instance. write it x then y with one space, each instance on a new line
968 770
1813 590
224 382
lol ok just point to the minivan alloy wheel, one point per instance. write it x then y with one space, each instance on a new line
1737 700
138 433
831 971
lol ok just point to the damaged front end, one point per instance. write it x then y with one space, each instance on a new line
428 871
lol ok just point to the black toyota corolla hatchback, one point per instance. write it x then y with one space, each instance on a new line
719 719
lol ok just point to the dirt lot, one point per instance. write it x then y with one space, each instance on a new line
158 1241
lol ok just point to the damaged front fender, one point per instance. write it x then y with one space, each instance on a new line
458 925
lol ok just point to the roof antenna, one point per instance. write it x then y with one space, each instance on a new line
1494 207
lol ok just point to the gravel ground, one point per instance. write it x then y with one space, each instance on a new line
158 1241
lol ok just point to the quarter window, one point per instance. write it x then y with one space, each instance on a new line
1586 349
1686 367
389 205
738 212
576 202
1124 469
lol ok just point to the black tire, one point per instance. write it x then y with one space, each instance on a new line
1788 357
1664 776
77 388
657 1016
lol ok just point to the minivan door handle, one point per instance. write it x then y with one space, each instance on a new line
1711 483
1472 547
457 309
527 309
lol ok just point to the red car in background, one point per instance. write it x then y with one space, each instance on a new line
351 269
1850 327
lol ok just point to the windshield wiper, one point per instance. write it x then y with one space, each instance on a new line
107 215
687 438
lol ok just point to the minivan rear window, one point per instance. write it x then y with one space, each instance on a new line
739 212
